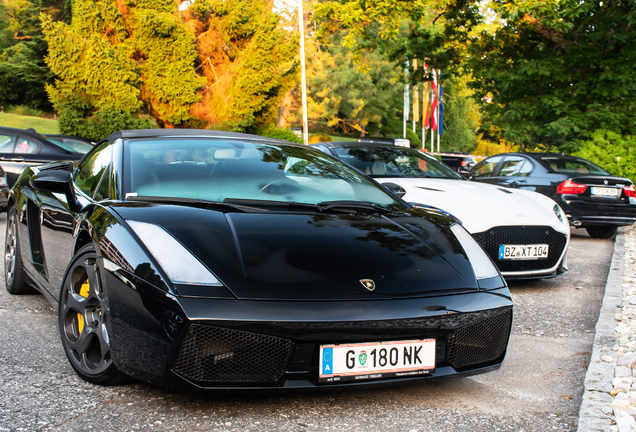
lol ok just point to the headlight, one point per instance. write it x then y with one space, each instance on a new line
560 215
180 265
482 264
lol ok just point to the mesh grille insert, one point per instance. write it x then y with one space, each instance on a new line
481 342
521 235
219 355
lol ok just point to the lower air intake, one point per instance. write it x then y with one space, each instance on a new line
482 342
219 355
492 239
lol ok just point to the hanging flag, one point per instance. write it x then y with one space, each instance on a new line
440 108
426 117
416 99
434 101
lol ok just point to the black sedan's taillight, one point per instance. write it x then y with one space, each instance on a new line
568 187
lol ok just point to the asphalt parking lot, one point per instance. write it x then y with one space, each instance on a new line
538 388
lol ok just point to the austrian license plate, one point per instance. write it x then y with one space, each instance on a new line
605 191
523 252
360 361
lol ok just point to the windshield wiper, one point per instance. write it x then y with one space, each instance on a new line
351 205
195 202
339 206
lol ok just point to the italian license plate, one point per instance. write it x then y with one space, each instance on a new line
360 361
605 191
523 252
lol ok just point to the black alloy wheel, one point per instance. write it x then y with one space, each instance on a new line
14 277
83 323
601 232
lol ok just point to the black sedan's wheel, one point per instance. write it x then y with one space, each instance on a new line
601 232
83 325
14 277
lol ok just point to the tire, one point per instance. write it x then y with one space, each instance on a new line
602 232
83 322
14 277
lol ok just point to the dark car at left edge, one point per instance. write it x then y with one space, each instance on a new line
20 148
207 260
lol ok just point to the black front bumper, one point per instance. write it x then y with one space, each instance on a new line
211 356
275 345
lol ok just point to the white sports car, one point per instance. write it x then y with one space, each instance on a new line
525 233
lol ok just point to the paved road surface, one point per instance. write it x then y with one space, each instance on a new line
538 388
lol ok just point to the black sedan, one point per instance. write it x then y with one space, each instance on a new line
21 148
210 260
590 196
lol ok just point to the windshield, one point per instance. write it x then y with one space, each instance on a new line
219 169
394 162
572 165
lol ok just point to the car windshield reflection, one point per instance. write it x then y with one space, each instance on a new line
216 169
394 162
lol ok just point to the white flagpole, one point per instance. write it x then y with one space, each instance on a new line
303 79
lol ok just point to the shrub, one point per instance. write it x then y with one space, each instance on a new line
317 138
279 133
615 153
24 110
414 139
101 123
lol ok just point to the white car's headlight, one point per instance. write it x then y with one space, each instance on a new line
482 264
180 265
558 211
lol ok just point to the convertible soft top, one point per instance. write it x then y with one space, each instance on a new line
152 133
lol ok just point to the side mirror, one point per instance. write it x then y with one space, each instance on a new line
395 188
58 181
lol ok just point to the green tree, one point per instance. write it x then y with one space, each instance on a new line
124 59
248 60
556 71
23 73
353 98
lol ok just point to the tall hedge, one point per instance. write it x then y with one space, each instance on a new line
130 60
248 60
614 152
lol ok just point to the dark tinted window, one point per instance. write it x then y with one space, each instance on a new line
394 162
91 170
572 165
515 166
486 168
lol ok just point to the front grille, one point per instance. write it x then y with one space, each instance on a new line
484 341
219 355
35 234
521 235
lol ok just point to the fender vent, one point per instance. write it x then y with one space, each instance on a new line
35 232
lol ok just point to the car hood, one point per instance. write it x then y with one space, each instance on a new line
296 256
481 206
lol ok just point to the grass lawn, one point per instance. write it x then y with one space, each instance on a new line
41 125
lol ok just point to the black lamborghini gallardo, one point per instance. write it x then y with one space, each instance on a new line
212 260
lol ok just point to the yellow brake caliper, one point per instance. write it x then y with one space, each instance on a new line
84 289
